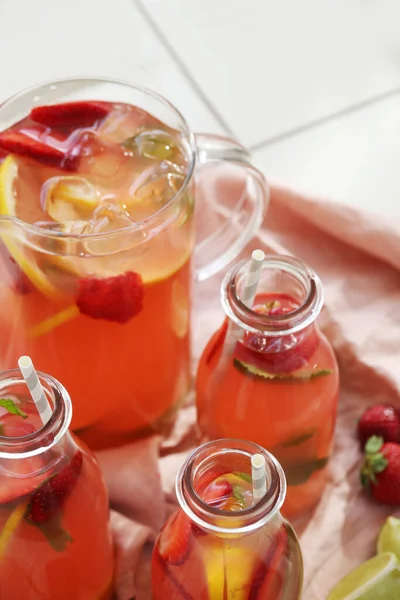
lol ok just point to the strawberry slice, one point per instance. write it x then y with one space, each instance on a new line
52 494
18 143
116 298
71 114
175 539
269 577
217 493
206 478
277 355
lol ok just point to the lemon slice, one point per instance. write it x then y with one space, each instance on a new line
389 537
376 579
11 525
8 174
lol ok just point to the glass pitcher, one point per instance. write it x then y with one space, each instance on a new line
55 540
220 543
97 292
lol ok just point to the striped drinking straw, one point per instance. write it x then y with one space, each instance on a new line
252 278
35 388
259 477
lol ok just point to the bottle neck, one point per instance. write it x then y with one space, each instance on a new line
46 437
296 288
228 456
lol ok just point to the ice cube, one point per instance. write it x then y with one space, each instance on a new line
68 198
158 185
107 217
153 143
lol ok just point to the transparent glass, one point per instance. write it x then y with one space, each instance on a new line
206 552
54 536
127 379
270 375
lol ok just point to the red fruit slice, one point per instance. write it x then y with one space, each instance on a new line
114 299
208 477
269 578
217 493
175 539
71 114
18 143
279 355
52 494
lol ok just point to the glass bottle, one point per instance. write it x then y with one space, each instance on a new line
219 543
269 375
54 535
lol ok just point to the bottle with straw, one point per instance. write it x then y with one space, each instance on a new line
228 536
270 375
54 532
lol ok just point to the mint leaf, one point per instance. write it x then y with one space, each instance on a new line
239 495
55 534
300 439
299 472
255 372
12 408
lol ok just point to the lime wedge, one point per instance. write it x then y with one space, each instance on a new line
389 537
8 173
376 579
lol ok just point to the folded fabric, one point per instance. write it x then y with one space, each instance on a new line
357 256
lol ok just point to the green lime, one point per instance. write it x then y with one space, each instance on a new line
376 579
389 537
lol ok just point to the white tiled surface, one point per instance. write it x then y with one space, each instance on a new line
310 84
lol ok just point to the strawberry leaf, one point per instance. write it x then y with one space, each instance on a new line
12 408
374 444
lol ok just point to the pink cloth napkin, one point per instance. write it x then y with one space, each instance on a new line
357 255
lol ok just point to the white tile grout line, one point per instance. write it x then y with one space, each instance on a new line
325 119
183 68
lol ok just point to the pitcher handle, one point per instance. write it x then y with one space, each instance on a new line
213 252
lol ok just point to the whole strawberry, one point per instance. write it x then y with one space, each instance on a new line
382 420
380 473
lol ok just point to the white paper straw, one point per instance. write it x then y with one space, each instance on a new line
35 388
259 476
253 277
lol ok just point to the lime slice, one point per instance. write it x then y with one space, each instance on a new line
8 174
376 579
389 537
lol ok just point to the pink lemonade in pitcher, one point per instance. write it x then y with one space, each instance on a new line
92 309
222 543
54 535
